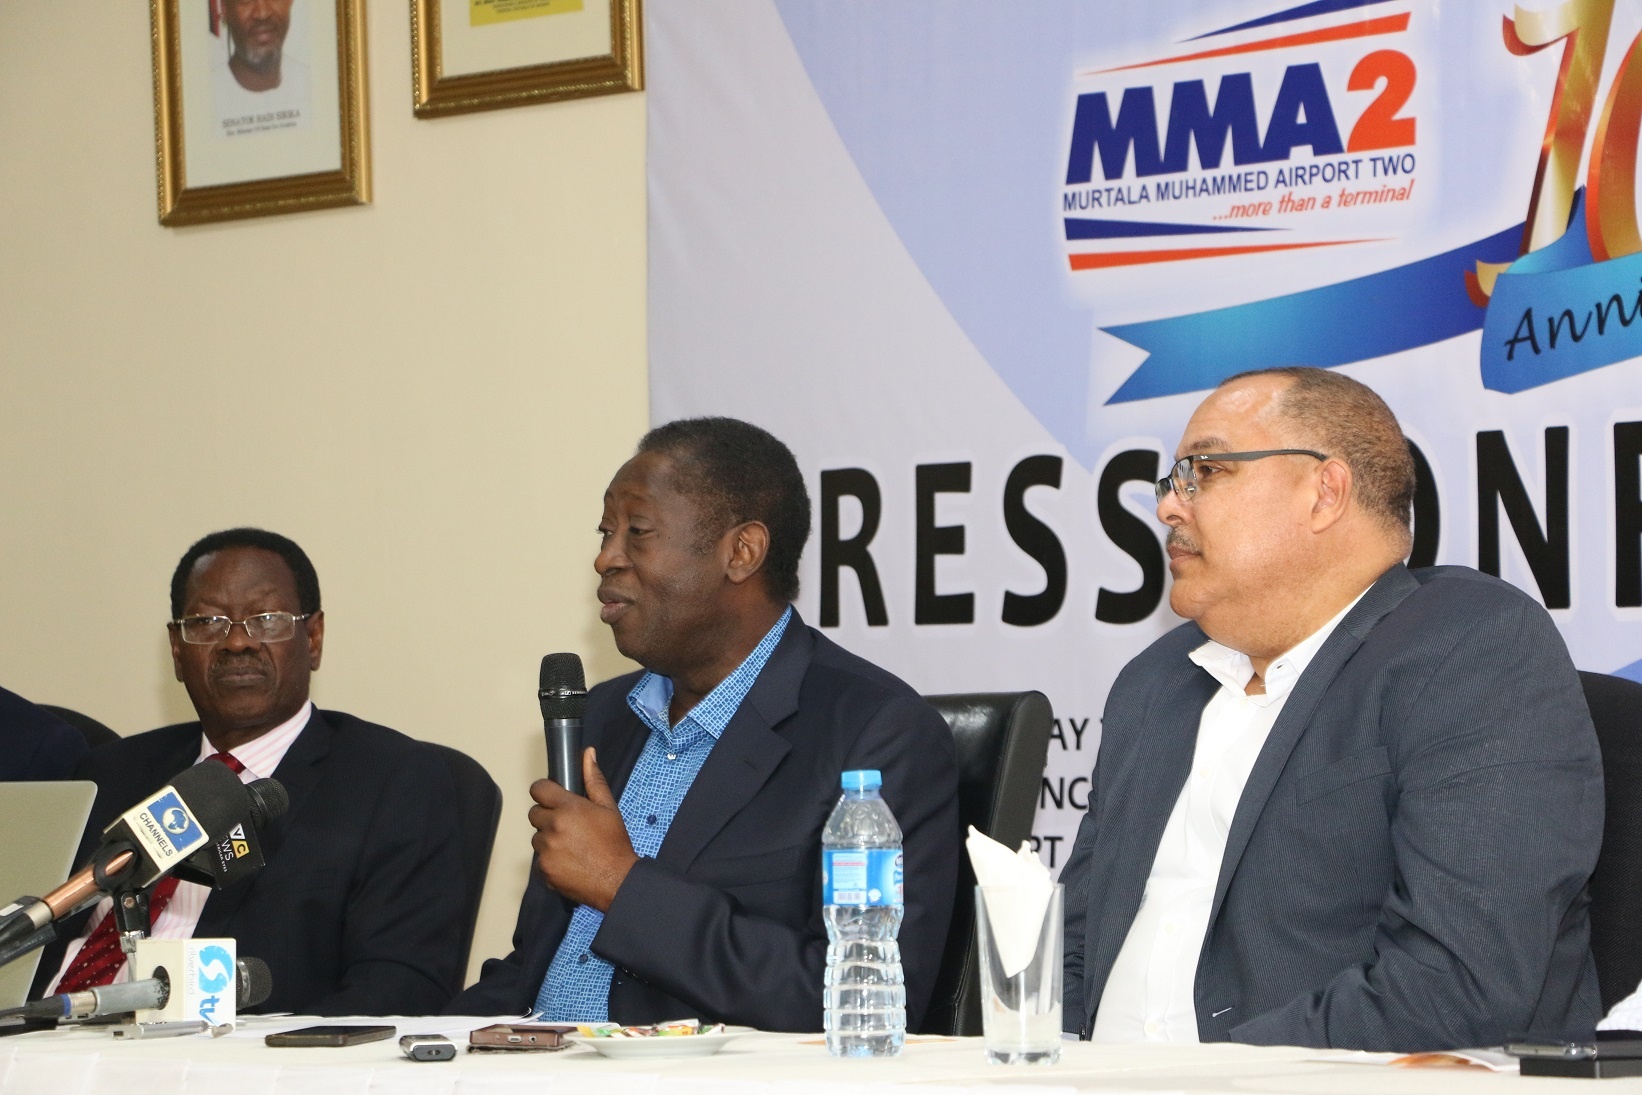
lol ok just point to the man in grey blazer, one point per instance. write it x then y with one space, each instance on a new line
1347 804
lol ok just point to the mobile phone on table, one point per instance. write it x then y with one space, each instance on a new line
330 1036
548 1036
1572 1051
1606 1044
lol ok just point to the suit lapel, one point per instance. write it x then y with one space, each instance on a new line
745 754
1162 762
619 747
299 770
299 774
1383 596
179 757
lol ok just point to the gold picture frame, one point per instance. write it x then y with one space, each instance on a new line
482 69
224 150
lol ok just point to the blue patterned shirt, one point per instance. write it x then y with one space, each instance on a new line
577 985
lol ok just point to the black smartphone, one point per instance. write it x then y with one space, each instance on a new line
329 1036
1571 1051
1608 1044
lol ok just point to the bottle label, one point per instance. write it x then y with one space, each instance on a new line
861 876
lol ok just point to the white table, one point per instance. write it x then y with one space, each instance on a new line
85 1062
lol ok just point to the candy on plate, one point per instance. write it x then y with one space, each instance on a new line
677 1028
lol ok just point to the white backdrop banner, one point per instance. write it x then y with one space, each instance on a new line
977 263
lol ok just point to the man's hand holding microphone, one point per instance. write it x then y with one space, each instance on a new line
581 843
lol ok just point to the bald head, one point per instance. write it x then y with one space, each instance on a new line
1294 498
1346 419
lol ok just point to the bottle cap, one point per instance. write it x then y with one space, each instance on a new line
865 779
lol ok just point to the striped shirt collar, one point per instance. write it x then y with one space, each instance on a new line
652 694
262 754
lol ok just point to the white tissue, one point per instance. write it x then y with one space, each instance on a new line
1017 887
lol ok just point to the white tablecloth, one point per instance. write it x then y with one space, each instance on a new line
86 1062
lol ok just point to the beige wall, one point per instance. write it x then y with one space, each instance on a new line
428 393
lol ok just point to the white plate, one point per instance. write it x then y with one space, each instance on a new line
683 1045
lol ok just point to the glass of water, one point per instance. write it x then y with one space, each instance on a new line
1020 974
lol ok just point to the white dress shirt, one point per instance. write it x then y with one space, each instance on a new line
179 918
1626 1015
1150 994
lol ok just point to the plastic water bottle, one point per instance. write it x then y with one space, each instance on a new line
865 994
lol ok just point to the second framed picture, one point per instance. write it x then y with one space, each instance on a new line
259 107
484 54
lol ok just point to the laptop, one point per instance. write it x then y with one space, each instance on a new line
49 816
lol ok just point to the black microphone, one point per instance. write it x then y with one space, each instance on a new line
237 853
199 809
252 987
563 695
256 982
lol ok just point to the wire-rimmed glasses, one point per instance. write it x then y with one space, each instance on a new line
264 627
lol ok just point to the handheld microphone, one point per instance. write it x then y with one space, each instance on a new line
563 696
253 985
186 821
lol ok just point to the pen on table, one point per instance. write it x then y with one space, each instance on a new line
161 1030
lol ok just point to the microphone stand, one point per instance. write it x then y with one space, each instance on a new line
130 917
130 912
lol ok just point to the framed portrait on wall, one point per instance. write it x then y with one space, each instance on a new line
259 107
484 54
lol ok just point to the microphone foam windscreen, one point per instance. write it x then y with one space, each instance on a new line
215 796
268 801
563 688
256 982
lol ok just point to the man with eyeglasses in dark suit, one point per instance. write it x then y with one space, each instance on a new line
355 912
1348 804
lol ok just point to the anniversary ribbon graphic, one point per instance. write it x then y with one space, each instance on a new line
1384 313
1556 313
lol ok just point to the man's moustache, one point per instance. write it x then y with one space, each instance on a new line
238 664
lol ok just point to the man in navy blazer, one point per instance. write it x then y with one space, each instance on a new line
1347 805
34 743
666 894
360 909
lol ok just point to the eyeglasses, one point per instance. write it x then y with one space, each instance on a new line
267 627
1183 477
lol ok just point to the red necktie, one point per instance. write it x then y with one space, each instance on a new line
101 958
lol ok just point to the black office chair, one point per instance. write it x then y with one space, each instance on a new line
1003 741
93 731
1616 885
480 806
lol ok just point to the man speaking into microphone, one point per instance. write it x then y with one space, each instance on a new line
688 881
356 912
